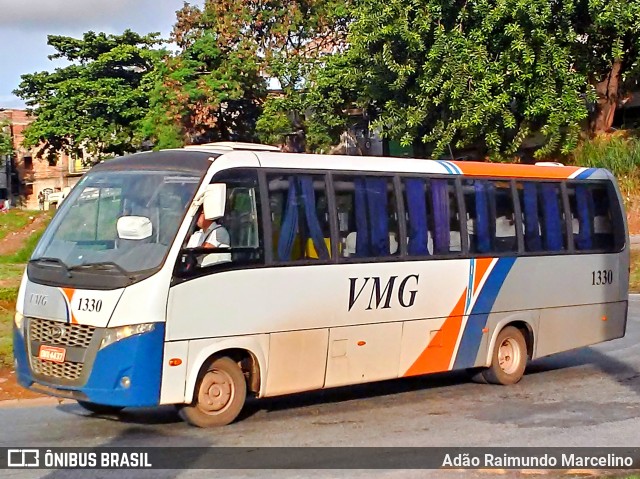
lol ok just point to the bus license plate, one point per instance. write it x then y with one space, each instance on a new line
49 353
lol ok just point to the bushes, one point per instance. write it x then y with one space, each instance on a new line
619 154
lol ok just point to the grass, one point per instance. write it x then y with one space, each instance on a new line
11 269
6 332
634 279
23 255
619 153
14 220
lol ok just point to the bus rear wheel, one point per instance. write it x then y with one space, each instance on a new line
220 395
100 408
509 358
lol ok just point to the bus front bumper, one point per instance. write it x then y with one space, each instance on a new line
126 373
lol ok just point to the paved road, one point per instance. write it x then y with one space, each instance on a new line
588 397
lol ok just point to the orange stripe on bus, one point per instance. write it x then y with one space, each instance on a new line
474 168
482 265
68 292
437 355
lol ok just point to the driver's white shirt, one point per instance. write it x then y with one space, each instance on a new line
216 235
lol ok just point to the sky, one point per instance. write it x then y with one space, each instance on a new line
25 24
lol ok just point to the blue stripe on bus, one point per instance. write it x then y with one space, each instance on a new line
586 174
455 169
446 166
472 272
472 335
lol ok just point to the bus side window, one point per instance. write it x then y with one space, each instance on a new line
299 217
591 217
367 216
479 200
433 221
241 220
543 216
490 216
603 236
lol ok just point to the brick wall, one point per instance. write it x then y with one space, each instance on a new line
35 174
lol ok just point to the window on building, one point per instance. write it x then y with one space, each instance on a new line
28 163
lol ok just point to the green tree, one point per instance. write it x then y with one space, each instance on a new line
607 51
6 142
212 88
301 38
96 103
454 74
229 51
488 73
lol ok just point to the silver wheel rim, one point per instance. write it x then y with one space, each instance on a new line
509 356
216 392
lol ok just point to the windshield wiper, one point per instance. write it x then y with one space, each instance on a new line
104 265
56 261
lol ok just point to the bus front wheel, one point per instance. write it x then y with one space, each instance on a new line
509 357
219 397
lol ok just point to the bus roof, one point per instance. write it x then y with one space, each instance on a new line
168 160
197 159
412 165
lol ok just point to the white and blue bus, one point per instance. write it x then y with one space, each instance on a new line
338 270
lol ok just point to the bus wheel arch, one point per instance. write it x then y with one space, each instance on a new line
219 395
233 374
510 349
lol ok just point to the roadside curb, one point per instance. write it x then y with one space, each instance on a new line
35 402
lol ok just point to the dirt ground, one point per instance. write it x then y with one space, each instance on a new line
10 389
14 241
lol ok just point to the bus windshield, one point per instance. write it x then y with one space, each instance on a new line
84 237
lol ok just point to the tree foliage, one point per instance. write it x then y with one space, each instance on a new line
6 142
303 37
488 73
212 88
96 103
217 84
607 52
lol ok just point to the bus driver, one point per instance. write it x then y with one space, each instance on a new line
210 234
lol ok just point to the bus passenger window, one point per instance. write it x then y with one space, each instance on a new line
299 217
603 237
367 216
479 200
433 225
543 216
591 217
490 216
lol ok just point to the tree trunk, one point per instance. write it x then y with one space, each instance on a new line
607 91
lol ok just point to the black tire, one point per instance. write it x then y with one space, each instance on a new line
476 375
100 408
508 359
220 394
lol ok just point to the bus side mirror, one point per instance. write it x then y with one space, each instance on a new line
215 196
134 227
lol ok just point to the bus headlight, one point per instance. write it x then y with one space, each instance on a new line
114 335
18 320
